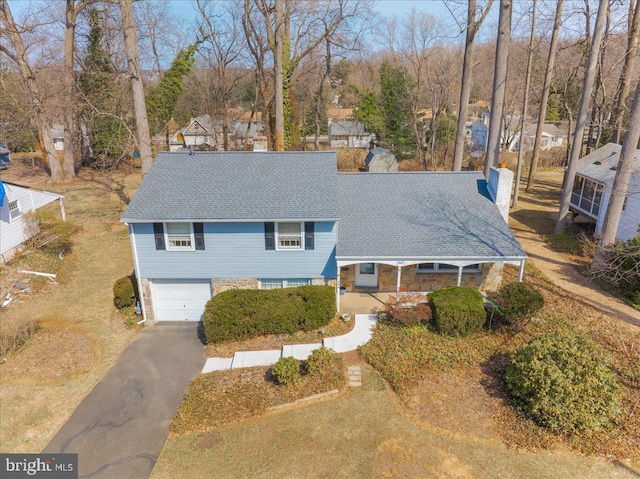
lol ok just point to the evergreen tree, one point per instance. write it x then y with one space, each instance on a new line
368 112
162 99
103 113
394 101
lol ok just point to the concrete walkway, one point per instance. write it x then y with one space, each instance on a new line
359 335
120 428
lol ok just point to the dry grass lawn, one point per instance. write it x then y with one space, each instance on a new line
364 433
80 332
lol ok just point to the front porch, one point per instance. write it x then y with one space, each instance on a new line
365 287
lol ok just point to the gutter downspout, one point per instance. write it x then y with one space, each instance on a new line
521 272
137 270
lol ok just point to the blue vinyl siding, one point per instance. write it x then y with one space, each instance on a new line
237 250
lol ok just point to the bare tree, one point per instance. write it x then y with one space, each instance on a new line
499 85
633 37
581 119
133 60
472 28
525 105
546 88
19 55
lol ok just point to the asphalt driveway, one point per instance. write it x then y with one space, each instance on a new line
121 426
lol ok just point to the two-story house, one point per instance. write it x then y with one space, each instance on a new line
205 222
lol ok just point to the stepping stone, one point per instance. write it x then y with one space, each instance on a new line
354 373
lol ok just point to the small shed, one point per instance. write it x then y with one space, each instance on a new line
381 160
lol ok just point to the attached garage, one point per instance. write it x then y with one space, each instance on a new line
180 299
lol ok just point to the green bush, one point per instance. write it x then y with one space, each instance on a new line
286 370
457 311
124 292
246 313
518 302
320 359
563 383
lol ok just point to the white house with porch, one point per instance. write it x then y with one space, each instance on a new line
592 189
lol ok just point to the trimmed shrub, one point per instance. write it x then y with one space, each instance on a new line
246 313
457 311
518 302
320 359
563 383
124 292
286 370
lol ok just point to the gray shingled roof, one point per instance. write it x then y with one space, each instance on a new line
598 164
346 128
420 215
237 186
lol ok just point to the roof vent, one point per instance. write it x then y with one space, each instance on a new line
597 163
614 168
191 153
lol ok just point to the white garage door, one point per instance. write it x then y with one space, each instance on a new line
180 299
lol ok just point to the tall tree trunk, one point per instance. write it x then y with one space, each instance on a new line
525 105
626 74
623 175
596 114
581 119
499 85
140 109
467 78
20 58
278 67
546 88
69 164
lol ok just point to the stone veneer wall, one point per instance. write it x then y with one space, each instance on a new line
488 280
148 302
223 284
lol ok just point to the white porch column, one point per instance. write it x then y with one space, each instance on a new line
521 273
459 276
399 278
64 215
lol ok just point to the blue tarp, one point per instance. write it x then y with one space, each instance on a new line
1 193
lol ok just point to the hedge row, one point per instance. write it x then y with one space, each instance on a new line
246 313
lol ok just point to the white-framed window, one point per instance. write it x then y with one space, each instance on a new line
14 210
289 236
447 268
179 236
271 283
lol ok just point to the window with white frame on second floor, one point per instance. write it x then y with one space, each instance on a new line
289 236
179 236
14 210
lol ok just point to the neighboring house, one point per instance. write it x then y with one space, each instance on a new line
57 132
349 133
197 133
15 202
480 130
214 221
5 157
592 190
552 136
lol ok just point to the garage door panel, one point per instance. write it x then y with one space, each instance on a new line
180 299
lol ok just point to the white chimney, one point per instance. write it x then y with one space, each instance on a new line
499 185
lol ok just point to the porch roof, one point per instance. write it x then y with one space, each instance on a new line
426 216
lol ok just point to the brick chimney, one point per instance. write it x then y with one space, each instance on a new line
499 185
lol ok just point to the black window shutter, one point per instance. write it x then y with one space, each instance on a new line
158 232
198 233
269 236
309 235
